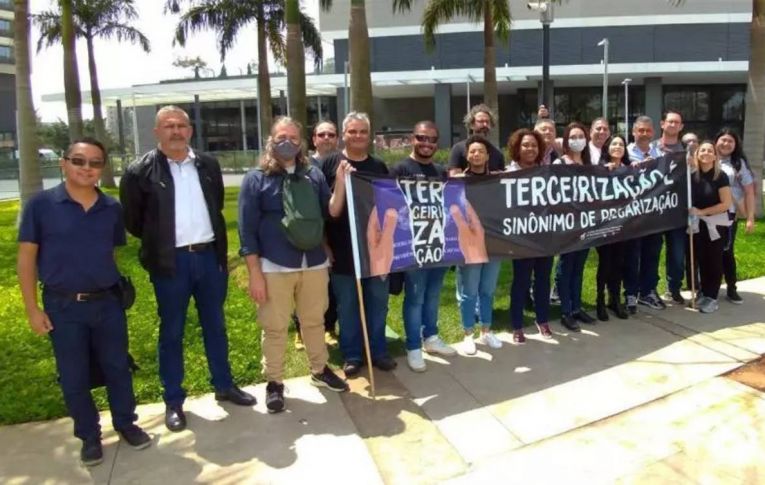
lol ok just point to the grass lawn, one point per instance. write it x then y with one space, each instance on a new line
27 369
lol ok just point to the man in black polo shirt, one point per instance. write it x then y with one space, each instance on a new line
479 121
67 236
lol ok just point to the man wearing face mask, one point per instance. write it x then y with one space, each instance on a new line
479 121
287 263
599 133
173 202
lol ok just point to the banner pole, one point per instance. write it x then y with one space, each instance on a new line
357 269
690 235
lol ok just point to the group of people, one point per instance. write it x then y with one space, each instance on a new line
295 238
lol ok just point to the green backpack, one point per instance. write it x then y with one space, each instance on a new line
303 222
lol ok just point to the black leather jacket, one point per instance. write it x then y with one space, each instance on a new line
148 200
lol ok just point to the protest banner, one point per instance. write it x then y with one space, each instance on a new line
401 223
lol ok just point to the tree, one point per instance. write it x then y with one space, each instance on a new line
358 60
295 63
226 17
195 63
30 179
71 72
105 19
496 18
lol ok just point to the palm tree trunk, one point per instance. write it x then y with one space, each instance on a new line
71 72
361 78
490 70
30 179
107 175
754 125
264 82
295 63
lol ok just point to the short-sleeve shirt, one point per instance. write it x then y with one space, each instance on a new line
338 230
738 180
458 159
75 247
412 168
705 189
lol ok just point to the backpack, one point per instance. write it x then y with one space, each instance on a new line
303 221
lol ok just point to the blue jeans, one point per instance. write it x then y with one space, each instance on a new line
568 279
375 291
519 290
675 258
91 330
641 269
422 295
199 275
476 284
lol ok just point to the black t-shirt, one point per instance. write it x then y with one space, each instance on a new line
412 168
705 190
338 230
457 158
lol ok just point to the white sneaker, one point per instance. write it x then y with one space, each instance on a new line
468 345
434 345
708 305
488 338
415 361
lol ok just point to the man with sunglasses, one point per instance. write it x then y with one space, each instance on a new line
325 140
67 238
173 201
422 287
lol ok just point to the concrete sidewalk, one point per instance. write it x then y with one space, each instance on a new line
635 401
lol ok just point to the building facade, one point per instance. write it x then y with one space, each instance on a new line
7 78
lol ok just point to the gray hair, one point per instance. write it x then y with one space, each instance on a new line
479 108
643 119
171 108
324 122
356 116
544 121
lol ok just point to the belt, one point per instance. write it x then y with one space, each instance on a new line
84 297
195 248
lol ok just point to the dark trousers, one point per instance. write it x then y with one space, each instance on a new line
675 257
330 316
197 274
709 258
641 269
610 270
568 279
729 257
519 290
91 330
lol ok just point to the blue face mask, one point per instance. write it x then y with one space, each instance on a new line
286 150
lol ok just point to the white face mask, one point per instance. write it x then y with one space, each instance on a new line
577 144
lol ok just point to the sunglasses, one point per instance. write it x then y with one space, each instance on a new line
81 162
426 138
326 134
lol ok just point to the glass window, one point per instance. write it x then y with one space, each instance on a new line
6 51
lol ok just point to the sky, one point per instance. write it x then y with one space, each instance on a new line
122 65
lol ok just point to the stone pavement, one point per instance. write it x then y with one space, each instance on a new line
636 401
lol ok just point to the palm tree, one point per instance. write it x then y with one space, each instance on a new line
71 72
228 16
358 58
496 18
106 19
30 179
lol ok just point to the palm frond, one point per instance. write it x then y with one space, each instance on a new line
49 23
124 33
402 6
311 39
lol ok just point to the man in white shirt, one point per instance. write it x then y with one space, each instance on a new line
173 201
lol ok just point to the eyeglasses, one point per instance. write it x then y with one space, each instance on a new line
326 134
81 162
426 138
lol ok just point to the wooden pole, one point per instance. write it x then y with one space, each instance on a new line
367 351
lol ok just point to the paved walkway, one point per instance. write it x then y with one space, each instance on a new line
636 401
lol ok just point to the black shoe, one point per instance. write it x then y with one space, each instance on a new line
236 396
352 368
583 317
569 322
619 310
734 297
175 419
386 363
330 380
135 437
601 312
274 397
91 453
676 297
